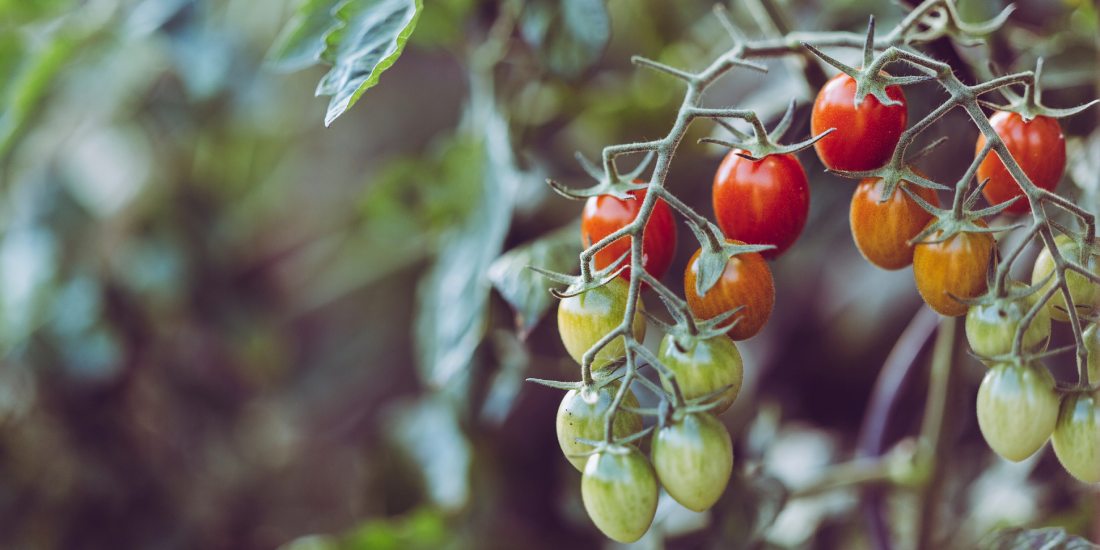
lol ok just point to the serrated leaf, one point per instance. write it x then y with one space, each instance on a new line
568 35
1051 538
368 39
302 40
359 38
526 290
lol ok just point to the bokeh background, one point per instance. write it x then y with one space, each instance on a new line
224 325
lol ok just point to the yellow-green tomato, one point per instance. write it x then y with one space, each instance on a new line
1017 408
693 457
619 490
1076 439
1092 343
1083 291
704 367
991 327
582 414
585 318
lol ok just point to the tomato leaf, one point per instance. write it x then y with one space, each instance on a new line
568 35
359 38
1032 539
526 290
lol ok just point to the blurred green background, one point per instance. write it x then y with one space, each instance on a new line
224 325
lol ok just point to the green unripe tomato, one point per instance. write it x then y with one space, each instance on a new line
1092 343
991 327
1017 409
693 457
587 317
619 490
582 414
704 367
1076 439
1084 292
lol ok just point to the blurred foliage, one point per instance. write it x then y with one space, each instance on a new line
225 326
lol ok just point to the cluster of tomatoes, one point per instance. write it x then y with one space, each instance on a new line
765 201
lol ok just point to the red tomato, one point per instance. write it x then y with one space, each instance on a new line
866 135
1038 147
746 281
761 202
881 229
605 214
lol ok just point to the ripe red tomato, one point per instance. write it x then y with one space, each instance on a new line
746 281
605 214
1038 147
865 135
956 266
882 230
761 202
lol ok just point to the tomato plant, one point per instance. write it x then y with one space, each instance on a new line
582 414
1017 408
619 491
605 214
763 201
1037 145
991 324
866 134
745 281
951 269
882 230
703 367
1076 438
1085 294
693 457
585 318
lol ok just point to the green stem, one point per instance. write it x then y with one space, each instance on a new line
939 386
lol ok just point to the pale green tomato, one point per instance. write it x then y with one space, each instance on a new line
991 327
582 414
1017 409
1084 292
694 458
1076 440
587 317
704 367
619 490
1092 343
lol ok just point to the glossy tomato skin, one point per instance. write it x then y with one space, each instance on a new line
746 281
1092 343
1085 293
606 214
582 414
991 327
956 266
1017 409
704 367
585 318
1076 438
1038 147
619 491
761 202
866 135
693 458
881 230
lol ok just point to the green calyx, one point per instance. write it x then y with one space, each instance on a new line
761 143
1030 105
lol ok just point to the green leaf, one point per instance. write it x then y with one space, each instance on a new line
568 35
453 298
526 290
368 39
359 38
1035 539
302 41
